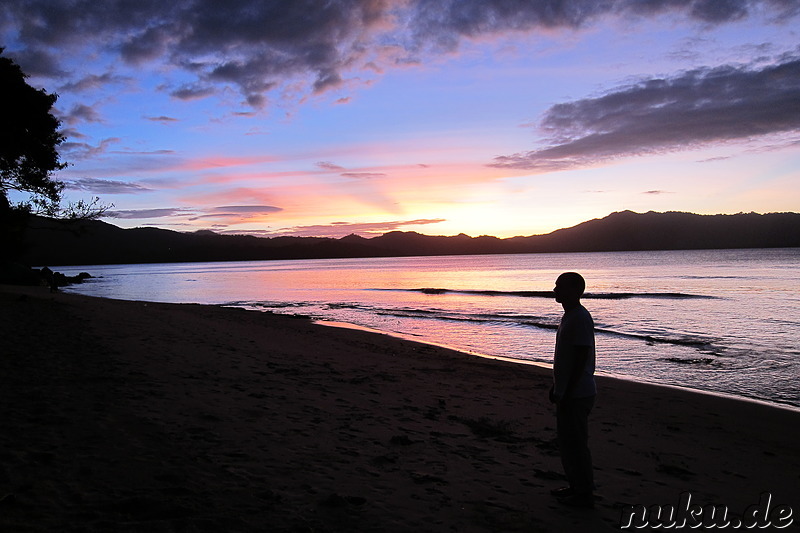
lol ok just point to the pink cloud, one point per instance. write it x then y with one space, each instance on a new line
233 196
216 162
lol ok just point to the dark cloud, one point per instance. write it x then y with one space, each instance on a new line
150 44
257 46
35 61
82 113
101 186
661 115
70 133
78 150
328 80
656 192
92 82
193 92
445 23
163 119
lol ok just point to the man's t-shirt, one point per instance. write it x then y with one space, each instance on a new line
576 329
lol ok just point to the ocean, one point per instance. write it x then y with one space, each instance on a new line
721 321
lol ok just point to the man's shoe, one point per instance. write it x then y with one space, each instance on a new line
562 492
585 501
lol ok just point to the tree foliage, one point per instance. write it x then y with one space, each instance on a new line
29 140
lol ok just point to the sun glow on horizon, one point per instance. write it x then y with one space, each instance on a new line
416 119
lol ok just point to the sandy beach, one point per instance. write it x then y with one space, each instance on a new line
130 416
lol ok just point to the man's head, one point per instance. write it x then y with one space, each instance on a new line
569 287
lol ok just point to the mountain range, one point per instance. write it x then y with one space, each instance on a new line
55 242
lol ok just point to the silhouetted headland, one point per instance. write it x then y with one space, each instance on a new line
94 242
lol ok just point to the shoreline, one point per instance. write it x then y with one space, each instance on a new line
124 416
736 356
549 367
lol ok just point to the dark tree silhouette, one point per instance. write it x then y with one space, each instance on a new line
29 138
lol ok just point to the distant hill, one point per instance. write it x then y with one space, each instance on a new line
52 242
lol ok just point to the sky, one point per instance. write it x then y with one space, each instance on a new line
484 117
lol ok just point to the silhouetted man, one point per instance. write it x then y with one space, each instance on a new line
574 390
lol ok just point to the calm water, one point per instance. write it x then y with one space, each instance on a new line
717 320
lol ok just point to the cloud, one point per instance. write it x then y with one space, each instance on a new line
699 107
327 165
442 25
163 119
101 186
714 159
256 131
341 229
152 42
193 92
78 151
259 46
230 214
249 209
237 214
35 61
230 196
219 162
146 213
149 152
73 133
82 113
657 192
91 82
363 175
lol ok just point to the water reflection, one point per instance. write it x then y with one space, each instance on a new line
719 343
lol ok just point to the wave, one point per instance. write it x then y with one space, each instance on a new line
481 318
549 294
265 305
707 346
714 277
517 320
698 361
703 344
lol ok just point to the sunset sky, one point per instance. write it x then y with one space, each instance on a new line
501 117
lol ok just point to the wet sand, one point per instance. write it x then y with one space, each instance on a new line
131 416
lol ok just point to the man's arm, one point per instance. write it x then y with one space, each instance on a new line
580 358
